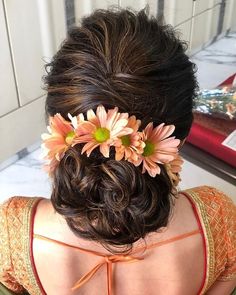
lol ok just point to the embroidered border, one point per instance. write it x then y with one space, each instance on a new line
210 255
27 221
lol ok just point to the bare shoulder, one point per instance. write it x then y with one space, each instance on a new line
183 218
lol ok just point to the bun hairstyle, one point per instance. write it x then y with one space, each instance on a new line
118 58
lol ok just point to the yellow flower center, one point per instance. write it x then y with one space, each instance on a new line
125 140
148 149
101 134
69 137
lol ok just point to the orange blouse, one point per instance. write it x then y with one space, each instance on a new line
215 212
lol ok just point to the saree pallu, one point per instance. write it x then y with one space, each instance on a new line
216 216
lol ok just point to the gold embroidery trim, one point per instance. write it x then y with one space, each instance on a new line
210 253
27 245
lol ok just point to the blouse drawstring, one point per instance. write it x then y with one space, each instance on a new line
108 261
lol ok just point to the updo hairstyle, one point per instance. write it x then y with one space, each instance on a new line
118 58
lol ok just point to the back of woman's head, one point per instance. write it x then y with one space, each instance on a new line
118 58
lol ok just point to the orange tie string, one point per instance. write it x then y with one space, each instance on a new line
108 261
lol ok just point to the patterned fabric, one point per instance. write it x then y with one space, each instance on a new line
217 218
15 228
218 215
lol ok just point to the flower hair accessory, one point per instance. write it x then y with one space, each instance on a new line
150 147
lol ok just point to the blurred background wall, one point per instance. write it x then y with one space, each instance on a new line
31 31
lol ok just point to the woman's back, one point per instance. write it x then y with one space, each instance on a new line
171 268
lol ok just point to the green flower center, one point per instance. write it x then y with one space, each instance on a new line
101 134
125 140
69 137
148 149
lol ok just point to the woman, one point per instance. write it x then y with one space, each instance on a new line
120 97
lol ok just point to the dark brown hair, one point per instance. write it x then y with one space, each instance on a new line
118 58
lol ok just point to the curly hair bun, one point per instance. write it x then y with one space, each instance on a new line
118 58
110 201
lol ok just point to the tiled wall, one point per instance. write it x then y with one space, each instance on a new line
30 32
201 21
198 21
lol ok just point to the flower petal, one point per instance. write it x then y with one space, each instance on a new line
119 124
121 132
119 153
54 143
162 158
102 115
156 131
89 147
163 132
148 130
128 153
45 136
112 117
137 162
133 123
85 128
49 129
93 118
152 168
168 143
74 120
59 125
105 149
82 139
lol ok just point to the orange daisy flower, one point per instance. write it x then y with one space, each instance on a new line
59 140
159 147
130 146
101 130
173 169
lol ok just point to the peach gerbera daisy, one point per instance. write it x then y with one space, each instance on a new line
159 147
101 129
59 140
130 146
173 169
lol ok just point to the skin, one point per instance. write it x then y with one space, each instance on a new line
165 269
